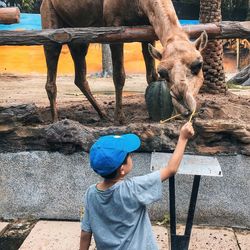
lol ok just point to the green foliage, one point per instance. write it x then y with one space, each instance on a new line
24 5
235 9
165 220
231 4
231 9
27 5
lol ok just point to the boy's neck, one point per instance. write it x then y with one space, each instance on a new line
107 183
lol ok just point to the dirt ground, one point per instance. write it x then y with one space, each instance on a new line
72 104
20 89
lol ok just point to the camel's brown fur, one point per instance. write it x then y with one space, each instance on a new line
180 60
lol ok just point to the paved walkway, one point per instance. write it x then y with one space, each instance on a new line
54 235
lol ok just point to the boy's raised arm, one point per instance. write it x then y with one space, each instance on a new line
186 133
85 240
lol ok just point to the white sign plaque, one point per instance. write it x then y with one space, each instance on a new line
190 165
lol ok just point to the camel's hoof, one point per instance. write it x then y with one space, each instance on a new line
106 118
119 120
55 119
103 116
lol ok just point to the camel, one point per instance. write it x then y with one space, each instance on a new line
180 60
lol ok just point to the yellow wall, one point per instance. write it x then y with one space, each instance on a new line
30 59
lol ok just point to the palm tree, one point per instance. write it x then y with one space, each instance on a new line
107 69
210 12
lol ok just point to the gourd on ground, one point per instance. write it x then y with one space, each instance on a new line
158 100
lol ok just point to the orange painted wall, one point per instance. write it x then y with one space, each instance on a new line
31 60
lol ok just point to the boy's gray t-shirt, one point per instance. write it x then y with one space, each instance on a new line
118 217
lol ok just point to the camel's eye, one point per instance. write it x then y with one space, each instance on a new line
164 74
196 67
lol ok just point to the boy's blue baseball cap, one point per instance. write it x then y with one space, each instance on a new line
108 152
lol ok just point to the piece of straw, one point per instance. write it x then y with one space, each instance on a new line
191 116
169 119
178 115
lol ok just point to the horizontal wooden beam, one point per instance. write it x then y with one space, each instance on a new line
118 34
9 15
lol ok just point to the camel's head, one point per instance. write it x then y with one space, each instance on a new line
181 66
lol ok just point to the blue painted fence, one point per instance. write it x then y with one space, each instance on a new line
33 22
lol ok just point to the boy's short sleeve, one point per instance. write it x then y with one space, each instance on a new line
147 188
85 225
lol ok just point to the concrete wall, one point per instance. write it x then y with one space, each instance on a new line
51 186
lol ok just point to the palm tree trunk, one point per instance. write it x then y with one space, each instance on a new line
107 69
210 12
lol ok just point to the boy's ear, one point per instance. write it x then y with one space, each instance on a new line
122 172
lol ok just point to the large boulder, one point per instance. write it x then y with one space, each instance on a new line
241 78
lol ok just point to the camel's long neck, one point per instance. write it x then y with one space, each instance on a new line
163 18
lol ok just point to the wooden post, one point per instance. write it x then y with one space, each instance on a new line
224 30
9 15
238 53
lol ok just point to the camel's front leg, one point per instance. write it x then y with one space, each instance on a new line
78 53
50 20
52 53
152 76
119 80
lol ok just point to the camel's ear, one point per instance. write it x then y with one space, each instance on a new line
154 52
201 42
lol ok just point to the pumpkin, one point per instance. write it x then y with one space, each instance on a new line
159 101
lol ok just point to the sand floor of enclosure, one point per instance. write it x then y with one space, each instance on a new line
19 89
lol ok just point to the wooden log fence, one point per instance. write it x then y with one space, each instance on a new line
9 15
223 30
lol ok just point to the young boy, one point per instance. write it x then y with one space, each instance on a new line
115 209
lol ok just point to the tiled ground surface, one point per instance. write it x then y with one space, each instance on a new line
2 226
54 235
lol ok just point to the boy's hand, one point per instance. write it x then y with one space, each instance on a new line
187 131
173 164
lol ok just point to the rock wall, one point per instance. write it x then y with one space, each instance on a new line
22 129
